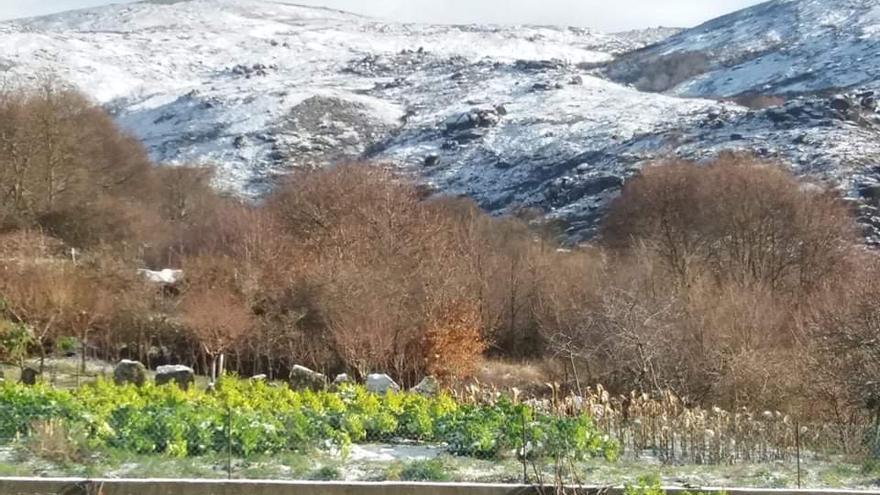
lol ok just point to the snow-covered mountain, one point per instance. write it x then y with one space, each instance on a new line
512 116
778 47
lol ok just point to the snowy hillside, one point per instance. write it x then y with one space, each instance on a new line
219 80
778 47
511 116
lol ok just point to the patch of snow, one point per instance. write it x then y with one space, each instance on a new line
781 46
166 276
390 453
168 70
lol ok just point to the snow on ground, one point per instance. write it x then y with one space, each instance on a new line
781 46
166 276
212 80
390 453
257 87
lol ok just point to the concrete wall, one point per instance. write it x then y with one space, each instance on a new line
75 486
70 486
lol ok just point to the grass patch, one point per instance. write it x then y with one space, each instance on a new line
54 441
7 469
326 473
425 470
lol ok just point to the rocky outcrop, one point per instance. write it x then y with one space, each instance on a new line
403 62
252 70
858 108
567 189
539 65
474 119
432 160
327 129
546 86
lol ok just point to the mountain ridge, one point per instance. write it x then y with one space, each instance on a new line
512 116
776 47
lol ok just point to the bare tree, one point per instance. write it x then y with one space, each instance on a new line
219 319
736 219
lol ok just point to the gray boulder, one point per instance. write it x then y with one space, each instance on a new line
259 378
546 86
183 376
429 386
841 103
30 376
128 371
342 378
379 383
473 119
302 378
432 160
539 65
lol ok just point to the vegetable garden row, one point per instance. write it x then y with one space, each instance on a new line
247 418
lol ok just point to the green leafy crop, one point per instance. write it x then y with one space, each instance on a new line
255 418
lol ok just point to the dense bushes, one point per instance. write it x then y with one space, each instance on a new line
734 220
66 168
711 274
255 418
721 281
843 352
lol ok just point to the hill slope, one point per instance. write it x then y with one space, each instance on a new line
777 47
511 116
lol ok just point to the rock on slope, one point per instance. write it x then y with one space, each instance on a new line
511 116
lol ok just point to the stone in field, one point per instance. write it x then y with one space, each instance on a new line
341 379
29 376
379 383
302 378
183 376
128 371
429 386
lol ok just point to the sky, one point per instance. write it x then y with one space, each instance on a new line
616 15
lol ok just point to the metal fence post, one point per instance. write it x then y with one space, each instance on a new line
797 442
524 460
229 442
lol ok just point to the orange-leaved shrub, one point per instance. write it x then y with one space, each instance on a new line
453 346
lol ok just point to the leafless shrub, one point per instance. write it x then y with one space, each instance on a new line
735 219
